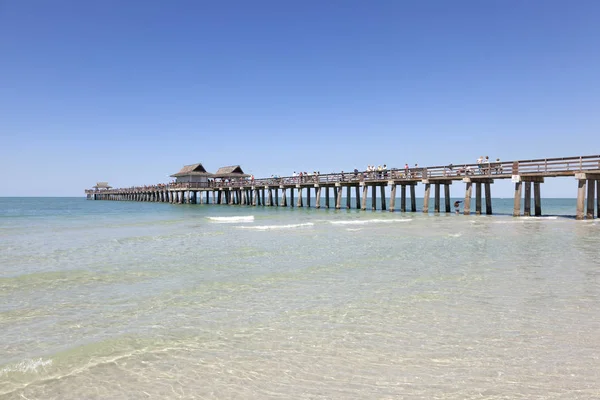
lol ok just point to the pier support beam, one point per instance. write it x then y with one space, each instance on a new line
308 197
517 204
447 197
403 198
580 198
425 197
318 197
364 198
467 203
299 197
436 202
527 181
382 192
283 197
598 198
591 188
413 199
269 197
393 196
373 197
338 197
488 198
478 198
357 197
327 197
348 197
527 202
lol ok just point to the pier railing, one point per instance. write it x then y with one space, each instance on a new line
564 166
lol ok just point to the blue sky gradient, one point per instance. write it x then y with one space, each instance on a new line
128 92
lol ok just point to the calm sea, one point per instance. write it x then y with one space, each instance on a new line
124 300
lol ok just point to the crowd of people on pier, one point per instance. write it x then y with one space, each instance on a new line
483 166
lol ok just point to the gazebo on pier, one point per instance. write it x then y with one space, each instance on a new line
232 173
194 173
102 186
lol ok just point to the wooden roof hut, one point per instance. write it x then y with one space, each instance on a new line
230 172
102 186
192 173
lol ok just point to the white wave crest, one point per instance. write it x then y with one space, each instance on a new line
371 221
271 227
455 234
232 220
26 366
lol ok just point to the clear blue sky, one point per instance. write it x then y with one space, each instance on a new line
129 91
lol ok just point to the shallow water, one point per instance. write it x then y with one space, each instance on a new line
126 300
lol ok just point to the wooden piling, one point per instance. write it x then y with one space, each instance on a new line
364 198
284 202
591 188
527 202
517 202
598 198
348 197
299 204
318 199
580 198
436 202
383 204
373 197
403 198
308 197
425 197
413 199
447 197
467 202
393 197
338 197
327 197
357 193
478 198
488 198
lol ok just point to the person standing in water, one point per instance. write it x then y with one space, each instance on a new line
457 206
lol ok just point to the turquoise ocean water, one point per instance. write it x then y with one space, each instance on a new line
126 300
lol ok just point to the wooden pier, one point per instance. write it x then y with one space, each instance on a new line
230 186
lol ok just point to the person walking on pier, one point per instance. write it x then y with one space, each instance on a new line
480 164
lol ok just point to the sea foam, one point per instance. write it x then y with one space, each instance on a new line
272 227
26 366
371 221
232 220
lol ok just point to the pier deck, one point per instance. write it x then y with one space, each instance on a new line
265 191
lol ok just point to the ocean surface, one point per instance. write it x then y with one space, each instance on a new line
126 300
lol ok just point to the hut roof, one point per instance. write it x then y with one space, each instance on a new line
102 185
232 171
193 169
